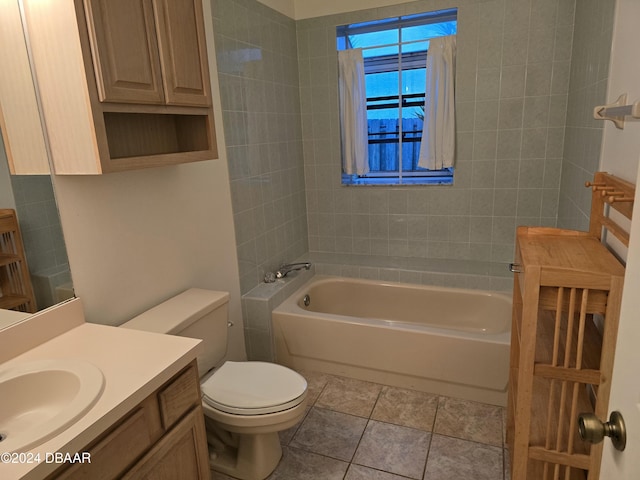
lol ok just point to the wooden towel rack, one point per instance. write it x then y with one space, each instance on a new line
609 192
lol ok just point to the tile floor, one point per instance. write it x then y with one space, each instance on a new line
355 430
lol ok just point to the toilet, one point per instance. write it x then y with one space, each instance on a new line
245 404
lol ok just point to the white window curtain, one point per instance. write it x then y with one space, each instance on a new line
437 150
353 112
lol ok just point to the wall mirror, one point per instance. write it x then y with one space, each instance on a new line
25 181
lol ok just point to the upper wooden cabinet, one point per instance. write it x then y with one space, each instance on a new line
124 84
182 52
125 53
148 51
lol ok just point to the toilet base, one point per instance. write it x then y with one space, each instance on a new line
248 446
254 457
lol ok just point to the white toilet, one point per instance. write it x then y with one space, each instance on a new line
245 404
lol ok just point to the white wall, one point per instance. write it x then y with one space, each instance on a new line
299 9
621 148
286 7
621 156
137 238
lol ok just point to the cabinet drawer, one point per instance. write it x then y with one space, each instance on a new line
120 449
179 396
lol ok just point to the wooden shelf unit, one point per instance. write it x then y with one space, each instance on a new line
16 291
566 301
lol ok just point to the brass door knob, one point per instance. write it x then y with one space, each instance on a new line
592 430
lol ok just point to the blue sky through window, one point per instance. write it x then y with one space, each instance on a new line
389 46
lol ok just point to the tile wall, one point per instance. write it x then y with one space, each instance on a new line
258 74
39 222
42 236
588 88
257 306
528 74
513 66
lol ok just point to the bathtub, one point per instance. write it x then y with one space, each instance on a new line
445 341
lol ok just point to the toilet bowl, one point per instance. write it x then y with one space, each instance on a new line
245 404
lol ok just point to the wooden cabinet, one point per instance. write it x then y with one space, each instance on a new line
177 456
162 438
124 84
125 52
19 116
148 51
566 300
16 290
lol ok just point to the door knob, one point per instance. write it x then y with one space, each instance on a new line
592 430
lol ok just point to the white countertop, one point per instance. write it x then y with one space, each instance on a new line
9 317
134 364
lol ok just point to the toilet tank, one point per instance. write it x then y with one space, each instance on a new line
195 313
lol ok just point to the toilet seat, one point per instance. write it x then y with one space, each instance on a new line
253 388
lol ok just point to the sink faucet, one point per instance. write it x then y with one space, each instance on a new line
285 269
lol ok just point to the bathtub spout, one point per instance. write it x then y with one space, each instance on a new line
284 270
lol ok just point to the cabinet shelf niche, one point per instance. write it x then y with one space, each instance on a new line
151 138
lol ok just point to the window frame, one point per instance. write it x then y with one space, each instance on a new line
395 63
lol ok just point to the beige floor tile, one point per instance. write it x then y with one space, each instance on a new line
287 435
300 465
466 444
358 472
454 458
394 449
409 408
348 395
330 433
469 421
316 381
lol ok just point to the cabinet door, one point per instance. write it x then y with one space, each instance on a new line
20 125
125 50
183 52
182 454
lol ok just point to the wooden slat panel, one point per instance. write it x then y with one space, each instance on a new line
575 460
590 377
597 300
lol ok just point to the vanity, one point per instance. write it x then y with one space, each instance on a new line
147 420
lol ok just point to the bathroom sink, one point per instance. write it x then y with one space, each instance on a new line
40 399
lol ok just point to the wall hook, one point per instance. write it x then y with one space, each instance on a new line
617 111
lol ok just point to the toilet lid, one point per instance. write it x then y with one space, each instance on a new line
253 388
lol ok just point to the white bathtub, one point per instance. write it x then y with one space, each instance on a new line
446 341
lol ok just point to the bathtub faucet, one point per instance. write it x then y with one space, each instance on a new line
284 270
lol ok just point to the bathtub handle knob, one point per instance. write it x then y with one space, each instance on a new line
513 267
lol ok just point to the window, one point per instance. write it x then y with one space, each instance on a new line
395 53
